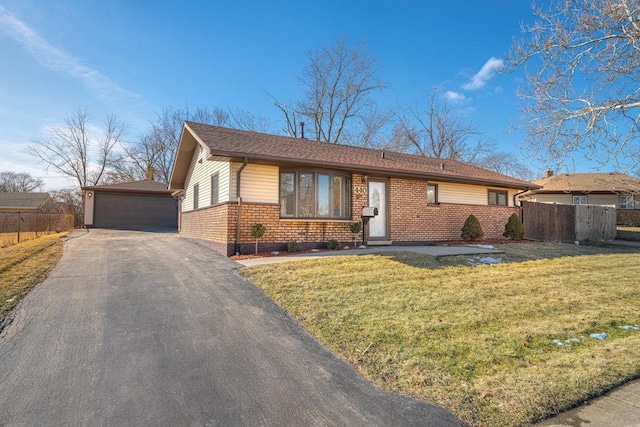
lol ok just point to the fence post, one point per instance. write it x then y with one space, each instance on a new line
19 218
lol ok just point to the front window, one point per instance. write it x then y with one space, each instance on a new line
627 202
580 200
314 195
498 198
432 194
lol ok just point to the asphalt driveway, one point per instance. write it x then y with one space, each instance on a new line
138 328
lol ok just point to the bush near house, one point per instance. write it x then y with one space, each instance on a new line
293 246
514 229
471 230
333 244
257 232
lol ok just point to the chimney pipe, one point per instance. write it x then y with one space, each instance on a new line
301 129
548 173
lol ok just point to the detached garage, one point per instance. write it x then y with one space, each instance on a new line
139 205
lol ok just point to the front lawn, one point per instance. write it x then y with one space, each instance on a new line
24 265
478 340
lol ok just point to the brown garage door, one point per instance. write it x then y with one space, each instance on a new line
135 211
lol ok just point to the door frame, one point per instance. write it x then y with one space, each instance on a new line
384 181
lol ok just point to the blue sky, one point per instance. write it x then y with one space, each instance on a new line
135 58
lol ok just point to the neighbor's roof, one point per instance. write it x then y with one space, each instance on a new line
145 186
26 201
234 145
613 182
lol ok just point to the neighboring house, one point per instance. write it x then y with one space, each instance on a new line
310 192
139 205
26 202
605 189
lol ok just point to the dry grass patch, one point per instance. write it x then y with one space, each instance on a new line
24 265
476 340
628 233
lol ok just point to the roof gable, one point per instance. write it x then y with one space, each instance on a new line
235 145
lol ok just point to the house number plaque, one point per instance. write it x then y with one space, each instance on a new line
360 190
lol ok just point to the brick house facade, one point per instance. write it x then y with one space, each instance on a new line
229 180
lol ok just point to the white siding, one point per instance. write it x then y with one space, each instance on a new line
468 194
259 183
603 199
200 172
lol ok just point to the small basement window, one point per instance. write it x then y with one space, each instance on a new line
498 198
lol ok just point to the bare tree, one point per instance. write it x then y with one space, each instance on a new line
582 63
19 182
439 131
69 201
507 164
157 146
74 150
338 83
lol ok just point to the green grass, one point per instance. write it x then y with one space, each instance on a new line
24 265
476 340
628 233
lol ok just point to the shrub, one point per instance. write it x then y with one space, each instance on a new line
333 244
471 229
514 229
355 228
293 246
257 232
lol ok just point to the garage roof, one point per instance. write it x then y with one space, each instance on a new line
145 186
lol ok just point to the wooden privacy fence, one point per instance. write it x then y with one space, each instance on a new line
568 223
16 227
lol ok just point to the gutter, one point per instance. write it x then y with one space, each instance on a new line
245 161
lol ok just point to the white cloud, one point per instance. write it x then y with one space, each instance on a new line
480 79
60 61
454 97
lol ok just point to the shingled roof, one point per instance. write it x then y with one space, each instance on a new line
235 145
145 186
23 201
589 183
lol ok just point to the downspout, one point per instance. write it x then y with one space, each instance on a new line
244 165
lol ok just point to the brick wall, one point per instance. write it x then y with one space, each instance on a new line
411 221
630 217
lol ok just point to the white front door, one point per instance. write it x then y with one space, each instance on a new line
378 227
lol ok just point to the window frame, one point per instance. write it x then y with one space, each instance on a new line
196 195
497 193
579 197
435 194
630 199
317 194
215 189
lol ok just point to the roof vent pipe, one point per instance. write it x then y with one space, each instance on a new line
301 129
383 154
548 173
442 166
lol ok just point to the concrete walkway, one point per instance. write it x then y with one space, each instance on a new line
620 408
436 251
